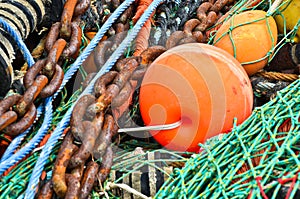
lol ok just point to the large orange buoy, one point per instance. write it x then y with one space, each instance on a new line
200 85
249 36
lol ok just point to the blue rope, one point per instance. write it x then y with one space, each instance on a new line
18 39
76 65
39 166
17 140
123 46
72 71
30 61
94 42
22 153
12 160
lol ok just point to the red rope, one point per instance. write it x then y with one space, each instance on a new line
283 181
43 142
250 195
13 166
258 179
292 186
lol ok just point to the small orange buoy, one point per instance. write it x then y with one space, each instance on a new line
249 36
200 85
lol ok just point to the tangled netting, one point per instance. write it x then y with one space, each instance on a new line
257 159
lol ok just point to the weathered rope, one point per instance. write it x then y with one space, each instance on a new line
278 76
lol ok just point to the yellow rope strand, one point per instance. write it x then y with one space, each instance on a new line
278 76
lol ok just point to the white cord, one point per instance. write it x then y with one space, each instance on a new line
111 185
151 128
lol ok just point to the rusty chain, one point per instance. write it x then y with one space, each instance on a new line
44 78
94 124
208 14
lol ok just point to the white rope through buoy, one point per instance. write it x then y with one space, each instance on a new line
151 128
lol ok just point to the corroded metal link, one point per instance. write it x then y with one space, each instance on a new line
81 7
49 69
30 95
198 35
88 141
174 38
112 90
66 18
56 50
190 25
106 164
202 10
122 62
196 30
138 74
209 21
123 96
23 124
103 140
54 84
103 81
7 118
100 53
207 13
150 54
123 76
78 114
33 72
75 41
44 78
52 36
218 5
104 100
8 102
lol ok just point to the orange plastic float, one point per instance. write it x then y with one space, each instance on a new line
253 35
202 86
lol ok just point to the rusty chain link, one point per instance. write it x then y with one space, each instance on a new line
197 29
5 104
94 120
44 78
